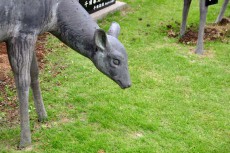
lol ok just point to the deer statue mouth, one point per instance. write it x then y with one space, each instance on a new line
123 85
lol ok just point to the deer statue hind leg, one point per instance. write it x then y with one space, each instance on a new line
186 7
38 102
220 16
203 15
20 51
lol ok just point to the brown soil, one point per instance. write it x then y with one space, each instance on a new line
8 103
224 21
212 32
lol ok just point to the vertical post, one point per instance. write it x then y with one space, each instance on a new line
186 7
203 15
220 16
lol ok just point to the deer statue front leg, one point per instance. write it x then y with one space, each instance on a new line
186 7
203 15
38 102
220 16
20 50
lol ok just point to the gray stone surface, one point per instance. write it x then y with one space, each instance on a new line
111 9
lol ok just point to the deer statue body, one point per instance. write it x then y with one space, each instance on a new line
203 14
21 21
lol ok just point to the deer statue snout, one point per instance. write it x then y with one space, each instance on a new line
110 56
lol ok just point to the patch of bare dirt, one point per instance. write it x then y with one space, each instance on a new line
212 32
224 21
8 101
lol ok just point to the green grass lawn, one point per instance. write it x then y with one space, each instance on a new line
179 102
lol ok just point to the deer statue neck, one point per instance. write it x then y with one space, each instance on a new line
75 27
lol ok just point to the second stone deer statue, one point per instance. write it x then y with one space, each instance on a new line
203 14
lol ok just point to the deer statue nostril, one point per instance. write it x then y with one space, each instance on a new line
128 85
122 85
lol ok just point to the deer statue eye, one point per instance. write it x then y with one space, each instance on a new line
116 62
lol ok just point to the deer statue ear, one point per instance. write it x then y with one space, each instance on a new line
114 30
100 39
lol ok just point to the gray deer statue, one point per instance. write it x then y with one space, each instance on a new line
203 14
21 21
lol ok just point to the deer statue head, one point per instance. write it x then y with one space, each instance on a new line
110 56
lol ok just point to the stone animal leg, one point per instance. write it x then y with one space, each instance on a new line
20 51
220 16
38 102
186 7
203 15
